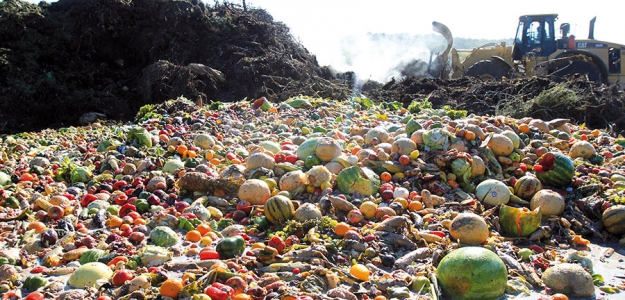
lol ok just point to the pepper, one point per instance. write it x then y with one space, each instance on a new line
34 282
220 291
184 224
142 205
231 247
267 253
126 209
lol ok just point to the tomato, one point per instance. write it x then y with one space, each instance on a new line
126 209
279 157
86 199
117 259
278 243
121 199
204 255
220 291
291 158
37 270
121 276
34 296
119 185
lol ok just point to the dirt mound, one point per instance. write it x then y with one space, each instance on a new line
61 61
578 99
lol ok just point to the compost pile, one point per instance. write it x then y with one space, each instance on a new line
232 166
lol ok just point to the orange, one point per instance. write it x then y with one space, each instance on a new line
37 226
596 132
182 149
469 135
171 287
559 297
193 236
191 154
341 228
386 176
203 229
209 155
415 205
524 128
242 297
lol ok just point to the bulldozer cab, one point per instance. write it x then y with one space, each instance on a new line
535 36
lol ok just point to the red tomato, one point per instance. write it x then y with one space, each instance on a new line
121 276
34 296
204 255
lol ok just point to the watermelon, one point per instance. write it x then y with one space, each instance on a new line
557 169
519 222
472 273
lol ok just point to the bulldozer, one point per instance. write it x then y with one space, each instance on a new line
536 51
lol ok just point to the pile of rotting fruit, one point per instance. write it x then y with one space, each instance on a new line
312 199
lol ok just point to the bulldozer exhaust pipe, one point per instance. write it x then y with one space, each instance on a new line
591 29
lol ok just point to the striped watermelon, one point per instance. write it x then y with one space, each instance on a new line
279 209
557 169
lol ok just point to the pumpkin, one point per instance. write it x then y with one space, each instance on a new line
516 141
318 175
472 273
570 279
378 132
550 202
492 192
557 169
334 167
279 209
293 180
403 146
417 136
260 160
519 222
469 229
540 124
527 186
478 167
158 182
582 149
255 191
500 144
307 211
204 141
614 219
327 149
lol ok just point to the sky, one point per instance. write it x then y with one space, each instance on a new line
321 26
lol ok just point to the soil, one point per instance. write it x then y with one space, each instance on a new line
61 61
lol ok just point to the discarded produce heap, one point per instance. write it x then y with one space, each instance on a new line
307 199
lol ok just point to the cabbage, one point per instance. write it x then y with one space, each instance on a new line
461 167
437 139
164 236
361 180
142 135
81 174
154 256
91 255
4 179
172 165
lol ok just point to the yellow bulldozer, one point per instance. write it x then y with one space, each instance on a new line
536 51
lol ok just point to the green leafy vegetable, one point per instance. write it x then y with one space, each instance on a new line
92 255
154 256
164 236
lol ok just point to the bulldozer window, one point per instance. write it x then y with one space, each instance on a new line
533 36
